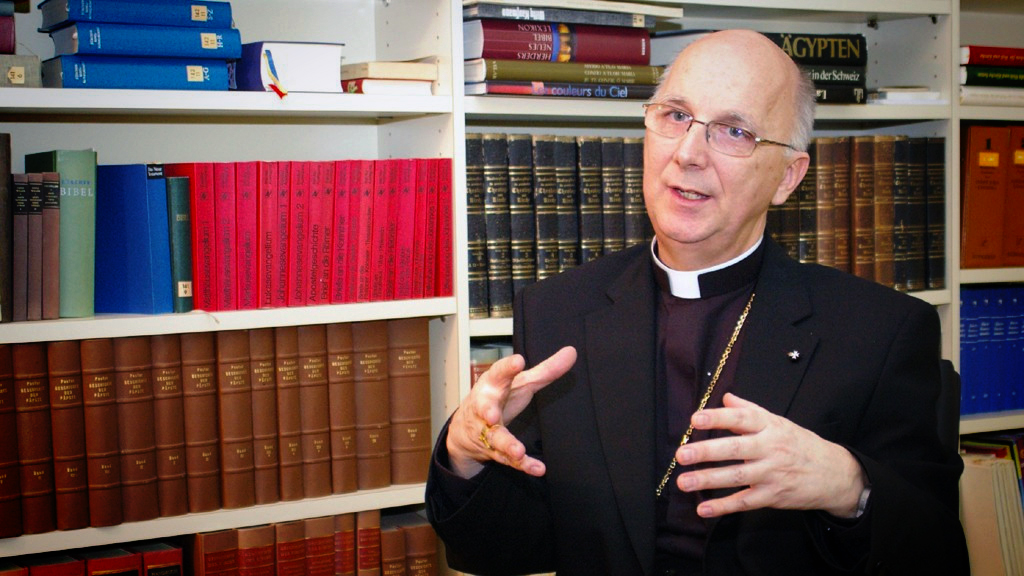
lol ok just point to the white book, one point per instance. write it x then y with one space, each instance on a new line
991 96
290 66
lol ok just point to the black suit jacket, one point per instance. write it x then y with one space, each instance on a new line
867 378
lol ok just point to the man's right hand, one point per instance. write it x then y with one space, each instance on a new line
477 432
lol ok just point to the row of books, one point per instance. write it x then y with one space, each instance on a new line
992 192
872 205
561 52
540 204
991 75
110 430
366 542
157 238
991 513
991 348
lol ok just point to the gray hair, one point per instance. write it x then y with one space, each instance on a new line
804 96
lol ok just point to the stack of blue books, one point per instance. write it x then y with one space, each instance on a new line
146 44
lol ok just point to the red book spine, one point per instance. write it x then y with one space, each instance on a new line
319 546
291 548
266 218
445 235
264 415
169 424
256 550
35 246
111 561
424 258
403 220
214 553
383 231
341 236
289 415
10 485
323 280
345 544
341 393
102 446
225 256
67 418
51 245
246 238
201 207
199 384
992 55
314 407
279 272
1013 226
361 216
133 379
234 415
35 440
314 233
368 543
556 42
298 233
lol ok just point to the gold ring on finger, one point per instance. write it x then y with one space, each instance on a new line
483 435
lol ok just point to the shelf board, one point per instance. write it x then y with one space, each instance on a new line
986 275
217 520
1009 113
991 422
70 101
117 325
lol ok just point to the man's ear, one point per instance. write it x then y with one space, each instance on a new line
791 177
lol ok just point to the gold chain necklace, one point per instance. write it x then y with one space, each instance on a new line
707 393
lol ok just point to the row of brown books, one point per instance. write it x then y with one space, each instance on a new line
109 430
992 192
145 558
539 204
872 205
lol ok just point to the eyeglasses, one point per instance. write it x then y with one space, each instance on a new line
672 122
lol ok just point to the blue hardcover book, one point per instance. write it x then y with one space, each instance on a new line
194 13
141 40
133 250
127 72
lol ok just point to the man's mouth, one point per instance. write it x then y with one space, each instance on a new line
690 194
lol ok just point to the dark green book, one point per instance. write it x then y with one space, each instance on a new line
180 229
476 226
77 170
520 209
612 189
497 221
588 185
935 200
545 205
636 225
566 203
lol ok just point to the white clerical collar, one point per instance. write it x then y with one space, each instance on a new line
685 283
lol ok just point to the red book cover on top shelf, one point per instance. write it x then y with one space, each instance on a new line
342 233
246 239
983 191
323 288
225 257
201 205
321 187
279 272
402 219
361 217
1013 224
445 253
267 239
298 233
973 54
385 183
425 257
556 42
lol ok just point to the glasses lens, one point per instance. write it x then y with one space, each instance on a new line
730 139
666 120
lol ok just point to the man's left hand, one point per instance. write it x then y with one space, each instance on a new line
777 463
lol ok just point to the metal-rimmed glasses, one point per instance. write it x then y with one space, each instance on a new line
671 122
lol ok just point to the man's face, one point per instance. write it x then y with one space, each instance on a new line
707 207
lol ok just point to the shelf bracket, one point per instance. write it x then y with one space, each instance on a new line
873 22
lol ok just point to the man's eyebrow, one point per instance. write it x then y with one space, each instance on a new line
732 118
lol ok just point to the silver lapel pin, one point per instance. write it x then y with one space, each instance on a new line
793 355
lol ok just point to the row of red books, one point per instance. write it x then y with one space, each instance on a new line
110 430
328 232
992 188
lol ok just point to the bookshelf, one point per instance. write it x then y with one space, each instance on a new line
133 126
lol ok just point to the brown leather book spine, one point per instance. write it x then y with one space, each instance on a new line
319 546
51 245
392 551
291 548
264 415
373 414
862 206
169 424
409 399
368 543
213 553
983 191
256 550
67 418
841 196
289 416
10 483
202 456
825 227
420 548
341 391
345 544
234 407
102 447
35 444
133 379
884 208
314 406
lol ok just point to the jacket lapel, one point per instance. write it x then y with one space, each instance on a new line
620 366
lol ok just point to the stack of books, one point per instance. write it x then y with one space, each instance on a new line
412 77
601 51
148 44
836 62
992 75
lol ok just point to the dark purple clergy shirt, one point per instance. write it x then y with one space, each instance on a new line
692 335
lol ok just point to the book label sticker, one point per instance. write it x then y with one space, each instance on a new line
184 289
16 74
1018 156
988 159
210 40
199 13
195 73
